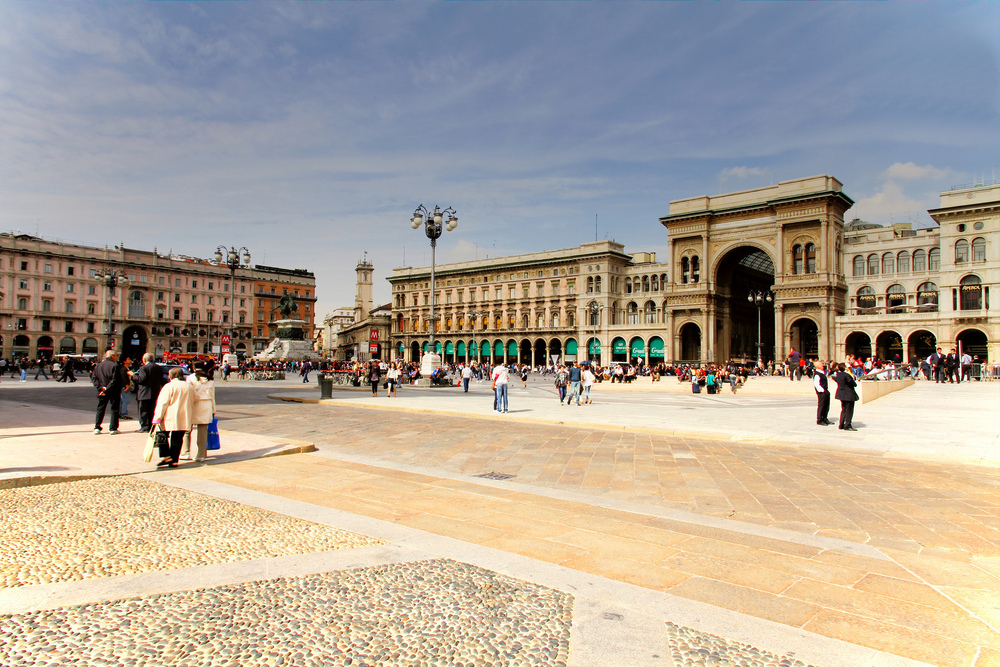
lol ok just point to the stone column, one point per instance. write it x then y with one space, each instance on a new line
780 344
671 350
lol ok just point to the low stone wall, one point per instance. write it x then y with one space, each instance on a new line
872 389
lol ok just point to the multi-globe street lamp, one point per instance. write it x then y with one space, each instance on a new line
434 222
759 298
474 315
111 279
232 260
595 311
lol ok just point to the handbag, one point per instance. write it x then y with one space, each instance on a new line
147 451
213 435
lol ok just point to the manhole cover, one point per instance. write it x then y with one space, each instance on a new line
496 475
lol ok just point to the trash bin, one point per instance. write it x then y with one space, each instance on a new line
325 386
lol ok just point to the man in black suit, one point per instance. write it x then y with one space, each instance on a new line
937 361
107 380
953 366
847 397
148 381
822 387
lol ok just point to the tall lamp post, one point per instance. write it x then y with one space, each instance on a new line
111 279
434 222
475 315
232 260
595 311
759 298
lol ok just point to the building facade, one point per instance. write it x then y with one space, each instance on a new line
54 302
270 283
787 241
364 335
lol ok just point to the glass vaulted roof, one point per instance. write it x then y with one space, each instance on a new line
758 261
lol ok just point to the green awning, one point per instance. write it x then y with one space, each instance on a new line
595 346
426 346
638 348
571 346
655 347
449 347
618 346
484 348
512 348
437 346
498 348
461 349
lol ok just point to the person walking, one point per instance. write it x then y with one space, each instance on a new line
392 380
173 411
148 382
501 378
822 387
66 372
587 382
562 379
306 367
25 365
847 397
793 364
107 381
466 377
574 377
202 414
125 368
374 377
41 369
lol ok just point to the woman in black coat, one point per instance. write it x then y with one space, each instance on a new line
847 397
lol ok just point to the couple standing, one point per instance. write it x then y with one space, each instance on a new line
846 394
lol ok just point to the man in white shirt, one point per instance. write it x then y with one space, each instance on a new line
501 378
466 376
821 385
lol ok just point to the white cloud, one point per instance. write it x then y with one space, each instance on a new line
891 204
911 171
741 172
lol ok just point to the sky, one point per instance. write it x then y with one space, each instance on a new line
309 132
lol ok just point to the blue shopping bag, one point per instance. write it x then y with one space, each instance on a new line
213 434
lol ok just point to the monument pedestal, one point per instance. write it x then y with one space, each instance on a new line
290 345
428 364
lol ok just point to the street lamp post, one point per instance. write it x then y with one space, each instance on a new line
759 298
475 315
111 279
232 260
595 311
434 222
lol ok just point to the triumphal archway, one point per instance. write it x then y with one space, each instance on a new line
780 242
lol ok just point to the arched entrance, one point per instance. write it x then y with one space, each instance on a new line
572 351
44 347
134 341
889 346
858 344
922 344
22 346
637 351
619 350
741 272
690 343
555 351
526 349
974 343
655 351
89 346
67 345
414 351
805 337
594 350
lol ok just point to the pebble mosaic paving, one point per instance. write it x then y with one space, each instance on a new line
125 525
689 647
435 612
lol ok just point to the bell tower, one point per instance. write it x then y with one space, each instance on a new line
363 297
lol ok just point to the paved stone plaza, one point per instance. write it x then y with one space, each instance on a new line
612 534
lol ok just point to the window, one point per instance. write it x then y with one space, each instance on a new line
160 280
91 308
919 260
70 270
48 268
225 316
888 264
797 259
194 284
590 285
177 298
632 313
979 249
866 299
22 284
211 285
972 293
810 258
655 284
873 264
70 306
628 286
91 329
555 289
555 320
859 265
685 270
68 326
47 305
927 296
24 266
541 319
903 262
597 284
194 298
159 313
695 269
961 251
177 313
22 304
895 299
91 289
934 259
571 288
211 301
645 283
243 318
650 310
47 286
177 282
46 325
194 315
70 288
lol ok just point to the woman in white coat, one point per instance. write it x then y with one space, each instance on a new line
173 412
204 410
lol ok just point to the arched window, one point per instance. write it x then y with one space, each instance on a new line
645 283
192 346
628 285
895 299
903 262
614 314
927 297
979 249
797 268
650 312
664 314
961 251
571 319
685 270
695 269
633 313
859 266
524 321
810 258
934 259
663 281
655 283
972 293
590 285
136 304
597 284
555 320
873 264
888 264
919 260
866 299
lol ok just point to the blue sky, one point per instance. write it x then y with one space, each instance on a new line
309 132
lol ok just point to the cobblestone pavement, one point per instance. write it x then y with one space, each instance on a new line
125 525
436 612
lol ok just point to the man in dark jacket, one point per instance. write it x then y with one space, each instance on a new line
847 397
148 381
937 360
951 362
107 380
822 387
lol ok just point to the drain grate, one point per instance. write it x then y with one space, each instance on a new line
496 475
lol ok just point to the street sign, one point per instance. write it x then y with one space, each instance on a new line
226 340
373 334
372 348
